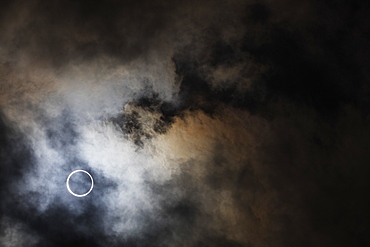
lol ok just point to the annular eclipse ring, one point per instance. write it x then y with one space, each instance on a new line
79 195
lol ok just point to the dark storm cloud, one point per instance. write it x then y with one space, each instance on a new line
61 31
15 158
14 155
322 185
312 62
233 123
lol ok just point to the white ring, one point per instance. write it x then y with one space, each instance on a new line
82 195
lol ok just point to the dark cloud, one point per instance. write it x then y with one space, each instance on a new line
63 31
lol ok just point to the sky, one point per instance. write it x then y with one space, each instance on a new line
202 123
